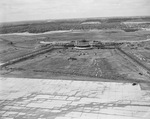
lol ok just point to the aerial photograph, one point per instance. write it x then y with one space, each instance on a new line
75 59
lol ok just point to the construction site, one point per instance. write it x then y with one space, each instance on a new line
80 58
79 69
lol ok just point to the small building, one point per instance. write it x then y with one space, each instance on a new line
55 42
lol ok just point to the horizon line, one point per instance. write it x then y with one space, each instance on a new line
82 18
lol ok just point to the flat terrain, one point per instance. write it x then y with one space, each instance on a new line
95 63
10 44
99 35
24 98
18 40
56 82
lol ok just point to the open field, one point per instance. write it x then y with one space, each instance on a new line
99 35
143 56
106 64
75 24
21 44
96 63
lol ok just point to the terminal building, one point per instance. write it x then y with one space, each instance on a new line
83 45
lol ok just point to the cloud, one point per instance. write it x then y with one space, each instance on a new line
16 10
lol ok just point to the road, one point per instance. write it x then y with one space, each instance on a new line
140 65
25 57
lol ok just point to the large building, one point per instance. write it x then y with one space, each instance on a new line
83 44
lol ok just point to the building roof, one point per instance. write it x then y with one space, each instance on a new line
82 44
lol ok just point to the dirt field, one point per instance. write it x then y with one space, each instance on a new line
100 35
142 55
95 63
12 46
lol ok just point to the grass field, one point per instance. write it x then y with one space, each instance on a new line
100 35
96 63
143 56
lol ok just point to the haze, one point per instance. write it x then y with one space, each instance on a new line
21 10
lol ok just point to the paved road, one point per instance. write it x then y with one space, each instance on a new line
143 68
28 56
22 98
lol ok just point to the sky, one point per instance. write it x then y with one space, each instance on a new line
22 10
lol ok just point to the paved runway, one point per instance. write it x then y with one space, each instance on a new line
22 98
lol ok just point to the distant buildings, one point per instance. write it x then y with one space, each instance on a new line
82 44
96 22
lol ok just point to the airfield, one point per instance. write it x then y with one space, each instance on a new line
26 98
107 63
46 75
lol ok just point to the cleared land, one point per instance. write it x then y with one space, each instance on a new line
98 64
13 46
